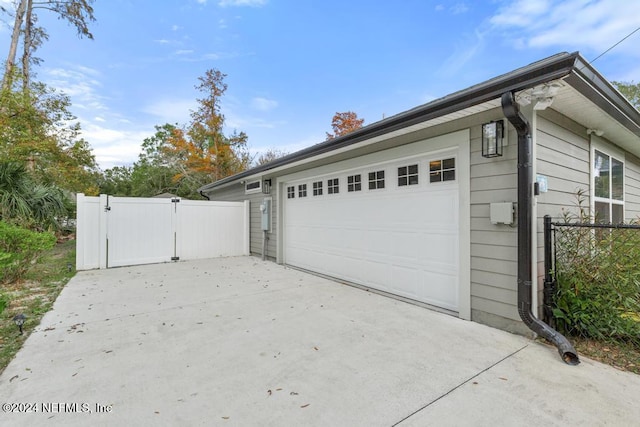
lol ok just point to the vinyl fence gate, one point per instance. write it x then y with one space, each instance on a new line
121 231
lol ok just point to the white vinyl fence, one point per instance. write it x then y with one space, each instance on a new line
119 231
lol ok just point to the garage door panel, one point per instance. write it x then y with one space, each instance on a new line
440 248
407 245
402 240
405 281
375 274
441 290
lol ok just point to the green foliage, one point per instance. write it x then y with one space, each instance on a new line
4 299
152 174
630 90
19 248
37 129
26 202
598 280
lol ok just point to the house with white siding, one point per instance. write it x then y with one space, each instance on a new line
414 206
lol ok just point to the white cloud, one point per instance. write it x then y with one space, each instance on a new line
210 56
439 8
114 147
175 27
171 110
464 52
591 25
251 3
263 104
459 8
183 52
233 121
78 82
588 26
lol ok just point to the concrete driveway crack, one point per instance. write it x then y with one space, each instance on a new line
459 385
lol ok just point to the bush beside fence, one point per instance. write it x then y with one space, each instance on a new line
597 273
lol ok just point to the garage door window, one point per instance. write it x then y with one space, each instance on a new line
333 186
354 183
291 192
317 188
442 170
376 180
407 175
302 190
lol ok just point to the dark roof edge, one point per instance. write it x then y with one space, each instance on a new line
545 70
590 82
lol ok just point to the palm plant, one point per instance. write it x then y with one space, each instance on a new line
26 202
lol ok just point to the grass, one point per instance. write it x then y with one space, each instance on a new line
34 296
620 355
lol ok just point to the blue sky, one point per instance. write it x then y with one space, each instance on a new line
292 64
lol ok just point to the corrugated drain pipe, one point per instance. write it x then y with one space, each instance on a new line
525 194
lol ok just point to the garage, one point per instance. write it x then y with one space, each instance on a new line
388 221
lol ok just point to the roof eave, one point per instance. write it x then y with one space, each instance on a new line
585 79
543 71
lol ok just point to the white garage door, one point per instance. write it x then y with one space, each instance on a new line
392 226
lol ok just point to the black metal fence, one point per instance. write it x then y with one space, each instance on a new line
592 280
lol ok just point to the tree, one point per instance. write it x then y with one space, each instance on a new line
270 155
179 160
202 152
37 129
344 123
631 91
116 181
76 12
213 152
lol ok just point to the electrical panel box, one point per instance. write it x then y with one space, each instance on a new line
501 213
265 210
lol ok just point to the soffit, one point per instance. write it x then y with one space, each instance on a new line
576 106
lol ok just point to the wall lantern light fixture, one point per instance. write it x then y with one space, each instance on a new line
492 139
266 186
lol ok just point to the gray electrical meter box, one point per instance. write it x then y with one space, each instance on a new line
501 213
265 210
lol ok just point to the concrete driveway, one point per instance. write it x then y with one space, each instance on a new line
241 342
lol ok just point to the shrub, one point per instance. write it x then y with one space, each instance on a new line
598 280
19 247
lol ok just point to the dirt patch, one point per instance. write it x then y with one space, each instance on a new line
625 357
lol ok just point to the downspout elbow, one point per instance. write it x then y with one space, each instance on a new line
525 196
